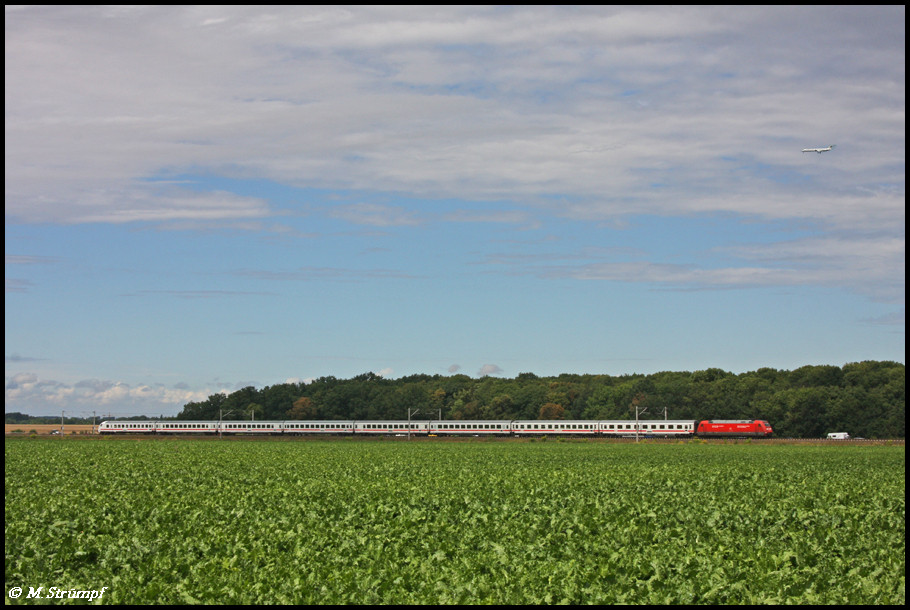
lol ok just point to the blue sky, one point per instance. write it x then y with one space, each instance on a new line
204 198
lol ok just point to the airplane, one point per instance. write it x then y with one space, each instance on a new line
819 150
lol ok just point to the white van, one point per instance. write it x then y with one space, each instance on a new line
838 436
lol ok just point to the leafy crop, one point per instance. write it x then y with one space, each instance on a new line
203 521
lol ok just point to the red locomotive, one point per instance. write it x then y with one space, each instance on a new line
734 427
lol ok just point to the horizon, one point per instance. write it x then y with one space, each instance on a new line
307 382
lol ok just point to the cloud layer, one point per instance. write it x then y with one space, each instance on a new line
26 392
619 111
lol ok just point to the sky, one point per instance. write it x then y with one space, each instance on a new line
200 199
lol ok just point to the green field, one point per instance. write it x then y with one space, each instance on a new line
208 521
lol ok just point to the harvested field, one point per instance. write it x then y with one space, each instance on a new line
26 429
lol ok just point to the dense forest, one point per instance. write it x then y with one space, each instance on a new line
863 398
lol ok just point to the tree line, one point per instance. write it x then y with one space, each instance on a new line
863 398
17 418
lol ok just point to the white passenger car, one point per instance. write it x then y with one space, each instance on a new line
126 427
561 427
158 427
391 427
318 427
655 427
242 427
470 428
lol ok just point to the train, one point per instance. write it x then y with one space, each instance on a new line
739 428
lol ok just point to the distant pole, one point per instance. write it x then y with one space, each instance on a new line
411 412
221 415
61 422
637 412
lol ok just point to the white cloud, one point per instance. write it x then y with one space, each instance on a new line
375 215
489 369
871 265
27 393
